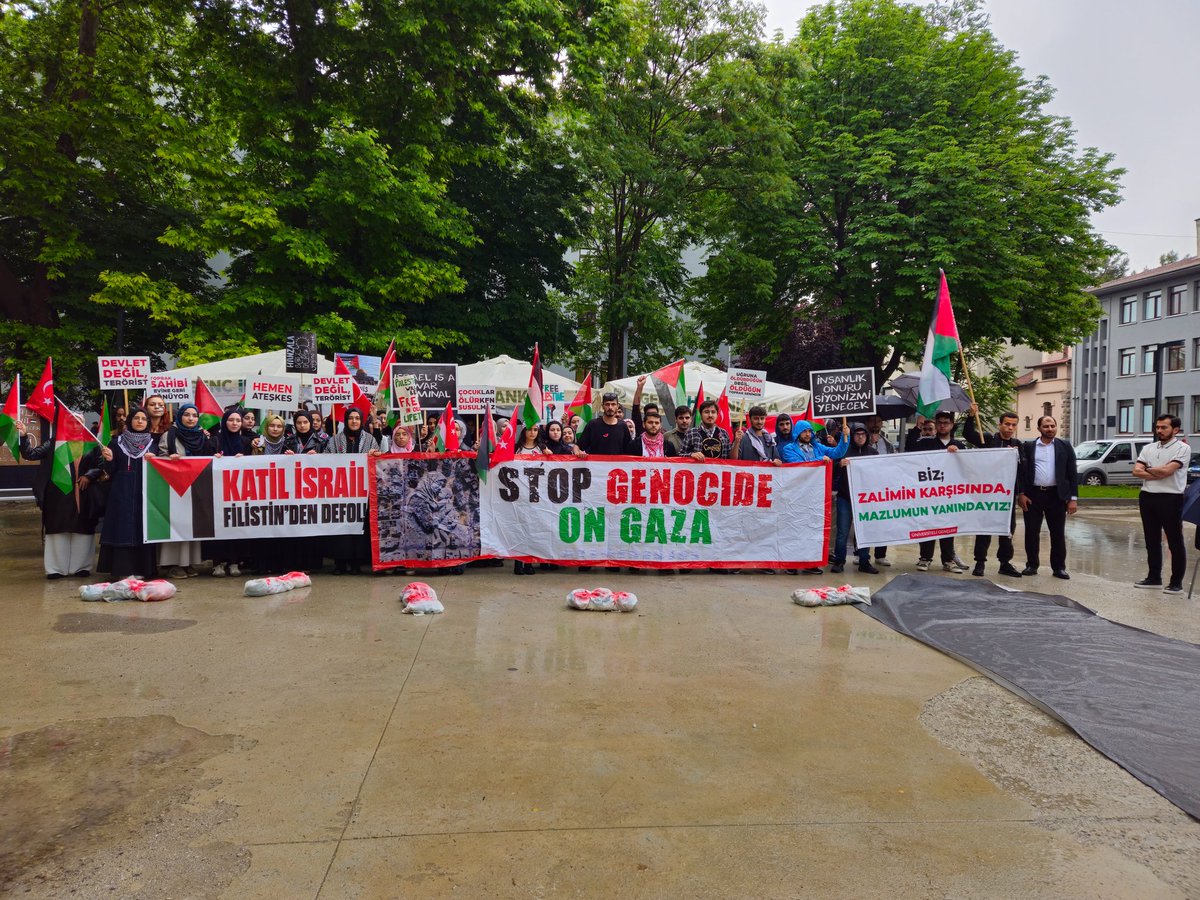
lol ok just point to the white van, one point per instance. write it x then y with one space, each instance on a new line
1108 462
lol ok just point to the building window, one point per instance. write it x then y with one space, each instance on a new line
1148 416
1195 413
1175 299
1149 359
1129 361
1125 416
1047 408
1176 358
1049 373
1152 305
1027 421
1174 406
1128 310
1196 301
1196 353
1104 322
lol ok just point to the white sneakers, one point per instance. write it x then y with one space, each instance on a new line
953 567
923 565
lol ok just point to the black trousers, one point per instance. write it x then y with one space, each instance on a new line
1160 513
946 545
1045 504
1004 550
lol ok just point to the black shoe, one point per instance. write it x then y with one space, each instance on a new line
813 571
457 570
867 569
518 567
837 568
1029 570
356 570
791 571
1062 573
54 576
82 573
529 569
978 570
1173 588
1151 583
1010 570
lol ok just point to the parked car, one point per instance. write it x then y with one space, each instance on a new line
1108 462
1194 467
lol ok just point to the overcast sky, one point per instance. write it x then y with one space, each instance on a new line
1126 75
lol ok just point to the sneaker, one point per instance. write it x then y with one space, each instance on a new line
953 568
924 564
1029 571
883 561
958 562
812 571
1173 588
1150 583
978 570
234 571
190 572
868 569
1010 570
175 572
837 568
219 570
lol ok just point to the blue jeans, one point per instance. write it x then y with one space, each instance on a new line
843 534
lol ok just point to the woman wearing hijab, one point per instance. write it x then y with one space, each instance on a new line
123 550
278 555
352 551
178 559
231 440
554 443
160 415
308 439
400 441
274 441
68 520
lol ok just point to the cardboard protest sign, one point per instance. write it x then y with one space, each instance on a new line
172 388
473 399
405 400
332 389
436 383
272 392
908 497
843 392
750 383
300 352
129 373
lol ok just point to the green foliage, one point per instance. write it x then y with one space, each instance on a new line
993 378
916 143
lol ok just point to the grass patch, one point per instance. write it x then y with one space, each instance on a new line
1108 491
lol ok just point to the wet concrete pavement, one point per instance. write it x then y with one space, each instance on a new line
719 742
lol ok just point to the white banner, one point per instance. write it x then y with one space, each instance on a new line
909 497
750 383
658 513
202 497
172 388
272 391
406 401
131 373
328 389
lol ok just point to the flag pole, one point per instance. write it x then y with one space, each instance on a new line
970 390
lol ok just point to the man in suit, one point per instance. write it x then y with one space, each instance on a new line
1048 493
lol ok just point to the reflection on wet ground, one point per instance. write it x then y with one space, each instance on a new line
79 623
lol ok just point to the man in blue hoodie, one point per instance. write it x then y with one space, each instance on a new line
802 448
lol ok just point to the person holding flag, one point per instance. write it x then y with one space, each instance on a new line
352 551
607 435
178 559
69 525
123 550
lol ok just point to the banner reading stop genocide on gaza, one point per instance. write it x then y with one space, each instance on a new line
908 497
226 498
658 513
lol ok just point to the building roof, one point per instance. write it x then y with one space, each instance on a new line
1183 265
1026 380
1061 361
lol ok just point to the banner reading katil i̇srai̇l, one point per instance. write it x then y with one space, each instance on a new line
908 497
200 497
657 513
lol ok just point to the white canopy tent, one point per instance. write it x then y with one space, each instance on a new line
779 398
510 378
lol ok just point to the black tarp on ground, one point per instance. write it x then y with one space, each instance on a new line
1133 695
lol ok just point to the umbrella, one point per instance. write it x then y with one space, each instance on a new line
889 407
906 387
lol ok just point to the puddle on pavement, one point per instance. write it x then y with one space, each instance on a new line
80 623
99 806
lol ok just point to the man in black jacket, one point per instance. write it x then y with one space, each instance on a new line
607 435
1005 429
943 439
1048 492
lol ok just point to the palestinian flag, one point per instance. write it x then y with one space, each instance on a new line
9 436
71 441
179 498
582 404
41 401
208 407
535 399
447 436
105 434
487 444
940 347
383 395
673 377
696 405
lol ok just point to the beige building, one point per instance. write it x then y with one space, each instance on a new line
1045 390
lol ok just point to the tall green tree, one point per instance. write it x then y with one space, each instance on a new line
917 142
89 100
658 114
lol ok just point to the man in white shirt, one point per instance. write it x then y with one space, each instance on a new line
1048 495
1162 466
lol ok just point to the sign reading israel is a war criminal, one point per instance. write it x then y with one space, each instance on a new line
664 514
192 498
130 373
842 392
908 497
436 383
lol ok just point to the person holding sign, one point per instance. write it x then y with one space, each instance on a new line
309 439
859 446
352 551
802 447
943 439
179 559
707 440
160 416
1005 429
123 550
232 440
758 443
